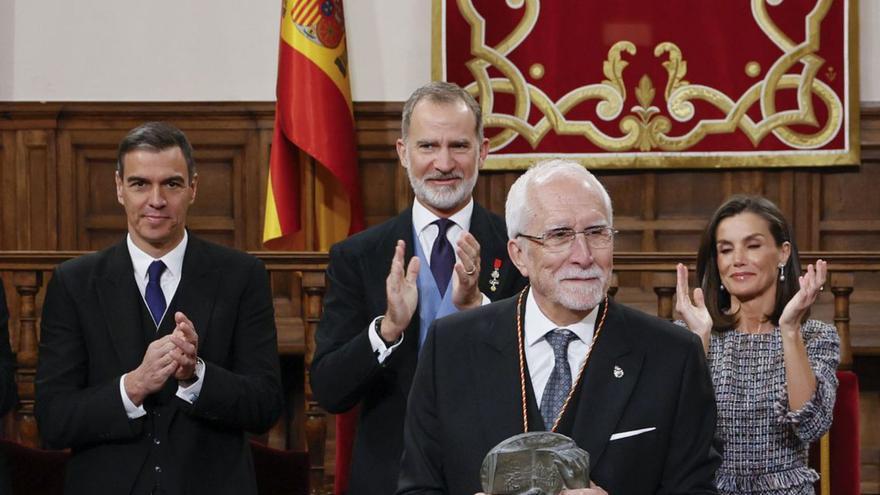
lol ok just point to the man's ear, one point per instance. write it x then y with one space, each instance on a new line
484 152
401 153
119 186
194 183
517 256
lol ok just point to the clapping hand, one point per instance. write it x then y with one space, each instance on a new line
465 289
694 313
402 293
811 283
185 353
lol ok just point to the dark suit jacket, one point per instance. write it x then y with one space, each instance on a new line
466 399
8 391
92 334
345 370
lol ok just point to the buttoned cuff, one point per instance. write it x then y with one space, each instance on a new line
191 392
380 349
131 410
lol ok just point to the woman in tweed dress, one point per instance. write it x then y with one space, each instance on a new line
773 368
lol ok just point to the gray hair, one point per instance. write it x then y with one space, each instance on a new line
441 92
517 209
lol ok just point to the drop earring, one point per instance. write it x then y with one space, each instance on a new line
782 272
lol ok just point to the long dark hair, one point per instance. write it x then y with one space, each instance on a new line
717 299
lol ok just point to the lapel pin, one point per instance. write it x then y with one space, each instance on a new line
618 372
493 277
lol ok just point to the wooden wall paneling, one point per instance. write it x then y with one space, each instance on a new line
7 183
93 216
253 181
491 190
801 217
786 194
378 127
35 190
229 188
649 214
68 199
813 203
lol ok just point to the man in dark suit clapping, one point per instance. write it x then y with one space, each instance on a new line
157 354
387 284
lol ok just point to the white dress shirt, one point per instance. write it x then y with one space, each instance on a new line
539 352
168 281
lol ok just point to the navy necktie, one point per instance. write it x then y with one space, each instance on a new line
154 296
442 256
559 383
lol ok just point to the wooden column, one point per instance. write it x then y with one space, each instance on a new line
27 284
316 418
842 287
664 287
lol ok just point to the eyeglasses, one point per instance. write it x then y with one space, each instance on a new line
562 238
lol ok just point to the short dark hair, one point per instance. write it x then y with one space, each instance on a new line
156 137
717 299
441 92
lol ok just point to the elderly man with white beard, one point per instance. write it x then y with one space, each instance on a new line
630 389
388 283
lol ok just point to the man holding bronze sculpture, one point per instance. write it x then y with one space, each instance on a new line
631 390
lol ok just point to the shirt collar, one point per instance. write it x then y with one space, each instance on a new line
173 259
537 324
422 216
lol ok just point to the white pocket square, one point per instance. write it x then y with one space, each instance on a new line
630 433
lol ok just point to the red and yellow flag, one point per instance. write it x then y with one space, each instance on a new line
313 114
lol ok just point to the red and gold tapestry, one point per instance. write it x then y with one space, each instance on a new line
648 84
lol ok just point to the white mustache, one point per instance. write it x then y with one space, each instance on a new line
579 273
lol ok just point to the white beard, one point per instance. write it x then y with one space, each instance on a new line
575 295
442 197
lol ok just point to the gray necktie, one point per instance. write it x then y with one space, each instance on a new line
559 383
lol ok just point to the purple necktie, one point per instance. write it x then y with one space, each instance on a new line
442 256
559 383
154 296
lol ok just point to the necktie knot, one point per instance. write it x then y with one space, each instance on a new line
154 271
443 224
559 339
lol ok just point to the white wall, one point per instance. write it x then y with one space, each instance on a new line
869 45
7 48
121 50
200 50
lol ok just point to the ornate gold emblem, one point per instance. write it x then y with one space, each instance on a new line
645 126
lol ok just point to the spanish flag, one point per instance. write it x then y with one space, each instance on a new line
313 114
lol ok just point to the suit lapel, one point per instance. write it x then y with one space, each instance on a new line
603 395
495 361
120 302
196 294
